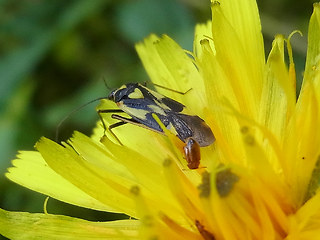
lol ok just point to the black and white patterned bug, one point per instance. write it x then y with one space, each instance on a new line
140 103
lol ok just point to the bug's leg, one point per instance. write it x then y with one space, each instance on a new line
192 153
118 124
100 111
134 122
172 90
124 119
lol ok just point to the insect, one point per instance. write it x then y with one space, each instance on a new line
206 235
140 103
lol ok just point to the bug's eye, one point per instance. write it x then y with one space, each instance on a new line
118 95
111 96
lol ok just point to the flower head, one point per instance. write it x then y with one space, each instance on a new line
259 180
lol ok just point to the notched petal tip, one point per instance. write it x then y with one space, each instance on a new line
277 45
215 3
215 8
43 141
316 5
39 142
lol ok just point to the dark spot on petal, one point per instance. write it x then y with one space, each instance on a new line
225 181
147 221
167 162
204 187
244 130
249 139
135 190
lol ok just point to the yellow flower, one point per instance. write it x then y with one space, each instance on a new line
259 180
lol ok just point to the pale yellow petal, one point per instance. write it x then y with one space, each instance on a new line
134 137
22 225
30 167
312 69
169 65
202 31
94 181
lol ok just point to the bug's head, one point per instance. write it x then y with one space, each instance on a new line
122 93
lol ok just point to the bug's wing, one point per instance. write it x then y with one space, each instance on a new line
162 101
141 110
195 127
124 120
150 122
179 126
173 105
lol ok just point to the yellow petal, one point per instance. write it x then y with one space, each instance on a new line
277 101
305 223
22 225
303 145
239 49
243 17
306 117
219 90
95 154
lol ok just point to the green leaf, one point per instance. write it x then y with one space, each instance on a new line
23 225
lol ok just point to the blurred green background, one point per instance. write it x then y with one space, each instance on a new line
55 55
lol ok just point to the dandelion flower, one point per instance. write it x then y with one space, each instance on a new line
259 180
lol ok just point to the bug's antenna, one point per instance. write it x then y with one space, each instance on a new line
172 90
71 113
105 83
